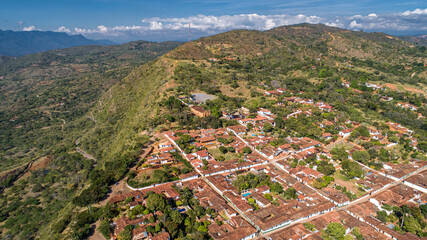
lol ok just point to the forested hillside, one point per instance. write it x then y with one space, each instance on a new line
96 96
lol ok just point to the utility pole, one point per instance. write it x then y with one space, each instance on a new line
189 32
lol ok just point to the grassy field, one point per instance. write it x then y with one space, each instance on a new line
344 181
216 153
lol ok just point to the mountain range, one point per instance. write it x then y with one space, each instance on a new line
25 42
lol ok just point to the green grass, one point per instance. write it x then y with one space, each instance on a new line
216 153
338 175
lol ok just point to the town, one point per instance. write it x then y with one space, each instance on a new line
243 182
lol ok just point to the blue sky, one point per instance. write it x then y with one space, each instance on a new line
158 20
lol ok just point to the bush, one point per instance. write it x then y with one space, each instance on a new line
223 149
310 226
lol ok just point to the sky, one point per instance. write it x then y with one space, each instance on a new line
161 20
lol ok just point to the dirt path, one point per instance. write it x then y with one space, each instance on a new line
63 124
332 36
395 87
96 235
85 154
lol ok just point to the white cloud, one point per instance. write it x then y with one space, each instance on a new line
154 25
30 28
404 21
63 29
227 22
202 25
354 24
415 12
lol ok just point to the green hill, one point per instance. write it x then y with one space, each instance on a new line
43 94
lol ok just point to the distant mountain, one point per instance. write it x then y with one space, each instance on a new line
20 43
418 39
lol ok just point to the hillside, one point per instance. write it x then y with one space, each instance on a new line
290 56
114 123
43 94
26 42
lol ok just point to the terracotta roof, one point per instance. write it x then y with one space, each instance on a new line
262 188
198 109
161 236
207 139
202 153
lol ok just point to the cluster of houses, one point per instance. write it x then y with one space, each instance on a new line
226 224
207 139
310 102
374 86
161 154
397 195
269 215
407 106
140 222
238 217
244 214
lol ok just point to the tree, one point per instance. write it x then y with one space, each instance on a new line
351 169
158 227
172 228
215 112
422 146
176 217
361 156
310 226
393 138
384 155
339 153
267 127
411 225
104 228
382 216
280 123
326 168
223 149
184 140
290 193
335 230
247 150
423 209
276 187
356 232
126 234
364 132
156 202
150 229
